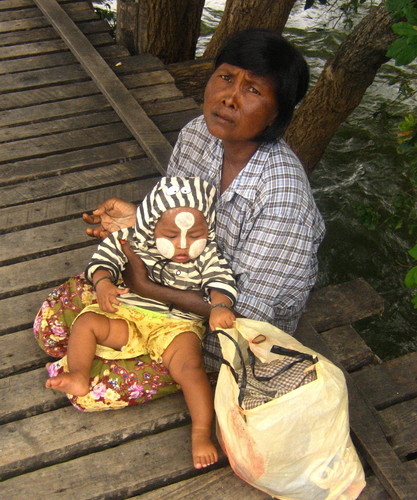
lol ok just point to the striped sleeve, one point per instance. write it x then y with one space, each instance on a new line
109 256
217 274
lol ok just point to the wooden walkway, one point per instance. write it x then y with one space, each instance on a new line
76 127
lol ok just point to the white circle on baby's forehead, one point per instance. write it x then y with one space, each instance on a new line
184 220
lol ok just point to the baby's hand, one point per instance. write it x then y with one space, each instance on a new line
221 317
107 294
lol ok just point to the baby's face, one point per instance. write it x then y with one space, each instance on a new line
181 234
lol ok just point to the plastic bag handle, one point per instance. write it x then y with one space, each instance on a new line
298 356
244 382
277 349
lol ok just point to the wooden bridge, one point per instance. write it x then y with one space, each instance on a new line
81 121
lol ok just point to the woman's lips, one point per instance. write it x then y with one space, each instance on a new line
223 118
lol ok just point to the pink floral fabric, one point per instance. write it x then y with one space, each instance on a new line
114 384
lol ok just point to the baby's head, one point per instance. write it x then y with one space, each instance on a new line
181 234
178 217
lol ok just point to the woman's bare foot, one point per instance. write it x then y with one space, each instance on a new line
70 383
203 450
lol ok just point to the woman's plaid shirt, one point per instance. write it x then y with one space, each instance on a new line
267 223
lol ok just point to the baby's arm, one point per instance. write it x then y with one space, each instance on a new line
106 291
221 313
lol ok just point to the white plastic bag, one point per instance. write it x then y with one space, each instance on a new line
297 446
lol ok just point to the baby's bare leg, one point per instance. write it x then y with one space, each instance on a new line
88 330
184 361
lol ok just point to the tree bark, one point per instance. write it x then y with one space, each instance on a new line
340 87
243 14
168 29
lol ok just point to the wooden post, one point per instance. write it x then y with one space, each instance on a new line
131 26
167 29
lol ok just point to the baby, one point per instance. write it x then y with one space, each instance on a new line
174 237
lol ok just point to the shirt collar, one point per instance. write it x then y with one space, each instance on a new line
246 182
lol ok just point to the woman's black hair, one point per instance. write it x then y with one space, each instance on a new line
266 53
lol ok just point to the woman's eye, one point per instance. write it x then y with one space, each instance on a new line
226 78
254 91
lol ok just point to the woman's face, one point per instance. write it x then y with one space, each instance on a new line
238 105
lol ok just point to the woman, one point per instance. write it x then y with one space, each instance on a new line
267 223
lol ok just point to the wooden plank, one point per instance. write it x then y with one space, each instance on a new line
50 210
59 92
118 61
221 483
71 73
79 11
20 398
366 427
27 356
48 33
342 304
39 77
117 173
172 106
14 4
374 490
154 461
47 94
175 121
401 420
44 128
145 132
47 46
12 15
18 313
22 24
41 26
411 467
71 107
46 271
390 383
71 161
63 434
51 238
66 141
349 348
35 62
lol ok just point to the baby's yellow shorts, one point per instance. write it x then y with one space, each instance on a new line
150 332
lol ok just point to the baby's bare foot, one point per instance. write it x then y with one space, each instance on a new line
203 450
70 383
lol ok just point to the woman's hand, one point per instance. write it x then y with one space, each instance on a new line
110 216
135 274
107 295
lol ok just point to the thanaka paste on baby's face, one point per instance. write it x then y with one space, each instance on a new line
181 234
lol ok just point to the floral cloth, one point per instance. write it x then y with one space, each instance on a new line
114 384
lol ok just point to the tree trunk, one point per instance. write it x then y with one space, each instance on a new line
340 87
168 29
242 14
